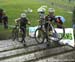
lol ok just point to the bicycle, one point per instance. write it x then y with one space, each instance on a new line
48 35
17 33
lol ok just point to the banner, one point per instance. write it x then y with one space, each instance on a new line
68 38
32 31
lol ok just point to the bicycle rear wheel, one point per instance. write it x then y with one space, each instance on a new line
20 35
40 36
14 34
55 35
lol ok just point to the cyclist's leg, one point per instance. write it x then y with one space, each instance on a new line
46 35
48 30
23 34
48 43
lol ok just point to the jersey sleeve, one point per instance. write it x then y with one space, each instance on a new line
17 20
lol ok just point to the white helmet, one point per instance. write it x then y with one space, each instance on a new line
41 10
23 15
51 10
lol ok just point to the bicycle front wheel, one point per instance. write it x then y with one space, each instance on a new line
39 35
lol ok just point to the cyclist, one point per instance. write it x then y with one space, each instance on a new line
41 12
23 21
5 20
51 18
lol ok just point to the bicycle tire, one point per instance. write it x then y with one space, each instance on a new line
20 33
14 34
58 37
37 37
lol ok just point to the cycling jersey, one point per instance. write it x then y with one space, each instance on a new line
50 18
23 22
57 19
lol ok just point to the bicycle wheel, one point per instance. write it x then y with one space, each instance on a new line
40 37
15 34
20 35
55 35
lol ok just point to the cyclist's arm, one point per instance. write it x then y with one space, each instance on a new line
28 22
17 21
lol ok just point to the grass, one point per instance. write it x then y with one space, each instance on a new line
14 8
64 2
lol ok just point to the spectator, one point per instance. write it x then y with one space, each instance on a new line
5 20
1 14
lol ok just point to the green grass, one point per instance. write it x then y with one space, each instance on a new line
64 2
14 8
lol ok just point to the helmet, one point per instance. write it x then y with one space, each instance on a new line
51 10
41 10
23 15
61 18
